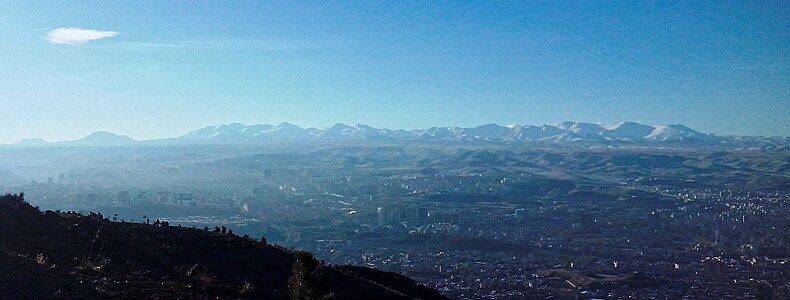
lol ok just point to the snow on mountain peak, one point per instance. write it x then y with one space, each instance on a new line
674 133
582 129
567 131
628 131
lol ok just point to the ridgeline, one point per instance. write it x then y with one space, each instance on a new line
66 255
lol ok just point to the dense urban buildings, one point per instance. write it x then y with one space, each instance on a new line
634 223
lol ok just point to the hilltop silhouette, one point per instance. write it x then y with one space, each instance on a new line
66 255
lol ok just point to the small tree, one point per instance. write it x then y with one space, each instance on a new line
309 280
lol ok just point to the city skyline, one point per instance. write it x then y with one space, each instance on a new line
154 70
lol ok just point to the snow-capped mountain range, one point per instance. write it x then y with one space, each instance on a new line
564 132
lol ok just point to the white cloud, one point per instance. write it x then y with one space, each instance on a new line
77 36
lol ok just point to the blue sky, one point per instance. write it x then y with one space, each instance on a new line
152 69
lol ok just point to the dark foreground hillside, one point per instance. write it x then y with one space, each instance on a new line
53 255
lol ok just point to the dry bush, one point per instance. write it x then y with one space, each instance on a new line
95 264
40 259
246 287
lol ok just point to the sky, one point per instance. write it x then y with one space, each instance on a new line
154 69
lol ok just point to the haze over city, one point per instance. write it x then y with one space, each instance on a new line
358 150
160 69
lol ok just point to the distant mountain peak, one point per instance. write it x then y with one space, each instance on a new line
565 124
31 142
582 129
340 126
287 125
233 126
364 127
627 131
626 124
104 136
